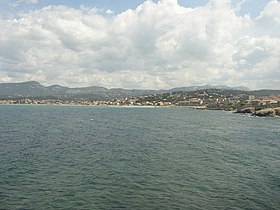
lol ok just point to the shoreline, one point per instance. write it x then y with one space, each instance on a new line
263 112
234 111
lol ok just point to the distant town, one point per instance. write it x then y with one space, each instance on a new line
212 99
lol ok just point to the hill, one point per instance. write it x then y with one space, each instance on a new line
34 89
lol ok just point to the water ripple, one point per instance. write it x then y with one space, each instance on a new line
109 158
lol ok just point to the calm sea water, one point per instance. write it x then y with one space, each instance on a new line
72 157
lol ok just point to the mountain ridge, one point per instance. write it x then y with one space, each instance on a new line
34 89
204 87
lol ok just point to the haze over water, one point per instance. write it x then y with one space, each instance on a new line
75 157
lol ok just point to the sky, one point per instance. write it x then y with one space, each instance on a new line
141 44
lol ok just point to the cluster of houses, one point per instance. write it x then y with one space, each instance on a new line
263 101
214 99
207 100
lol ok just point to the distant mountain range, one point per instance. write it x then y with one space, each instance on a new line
34 89
205 87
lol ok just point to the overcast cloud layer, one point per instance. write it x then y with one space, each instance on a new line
157 45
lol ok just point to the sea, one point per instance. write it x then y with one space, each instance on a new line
84 157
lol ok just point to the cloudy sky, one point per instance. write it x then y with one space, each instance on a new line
141 44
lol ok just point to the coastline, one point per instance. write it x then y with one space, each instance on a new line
253 111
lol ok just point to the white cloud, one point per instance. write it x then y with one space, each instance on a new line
271 12
18 2
108 11
157 45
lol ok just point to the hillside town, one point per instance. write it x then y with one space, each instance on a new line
203 99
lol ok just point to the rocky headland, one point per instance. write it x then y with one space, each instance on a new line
266 112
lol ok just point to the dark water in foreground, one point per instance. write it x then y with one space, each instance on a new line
137 158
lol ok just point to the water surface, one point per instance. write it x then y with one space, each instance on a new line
75 157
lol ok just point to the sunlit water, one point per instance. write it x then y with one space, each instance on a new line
72 157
